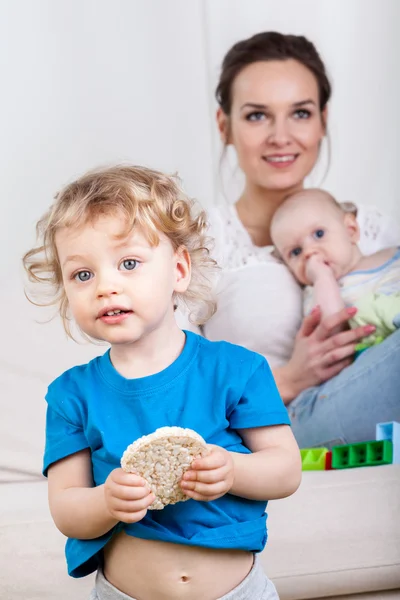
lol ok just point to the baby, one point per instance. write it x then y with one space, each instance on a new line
122 247
317 239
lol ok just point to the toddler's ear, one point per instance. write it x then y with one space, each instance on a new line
182 270
351 224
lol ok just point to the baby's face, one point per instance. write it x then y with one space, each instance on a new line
314 227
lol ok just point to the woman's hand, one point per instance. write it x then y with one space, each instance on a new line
210 477
319 353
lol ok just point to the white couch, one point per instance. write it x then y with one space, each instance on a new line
338 535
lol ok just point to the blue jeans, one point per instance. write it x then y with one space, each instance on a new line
346 409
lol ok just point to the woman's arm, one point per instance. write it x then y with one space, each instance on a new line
288 387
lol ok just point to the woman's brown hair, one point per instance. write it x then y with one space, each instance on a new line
268 46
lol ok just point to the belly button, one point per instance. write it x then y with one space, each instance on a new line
185 579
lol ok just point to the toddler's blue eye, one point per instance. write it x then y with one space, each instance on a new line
319 233
129 264
295 252
83 276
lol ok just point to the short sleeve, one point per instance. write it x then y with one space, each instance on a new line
63 436
260 404
377 230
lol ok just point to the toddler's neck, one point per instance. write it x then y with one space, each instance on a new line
150 355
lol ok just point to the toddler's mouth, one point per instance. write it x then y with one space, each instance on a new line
113 311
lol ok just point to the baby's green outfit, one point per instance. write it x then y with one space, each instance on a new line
376 295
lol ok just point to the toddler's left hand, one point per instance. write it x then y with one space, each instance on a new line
210 477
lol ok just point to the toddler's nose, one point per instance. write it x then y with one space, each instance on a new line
106 286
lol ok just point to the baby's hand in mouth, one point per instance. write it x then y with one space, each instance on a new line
315 267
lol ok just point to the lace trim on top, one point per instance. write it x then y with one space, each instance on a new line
235 249
234 246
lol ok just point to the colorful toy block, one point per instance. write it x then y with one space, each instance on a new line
328 461
385 450
390 431
313 459
365 454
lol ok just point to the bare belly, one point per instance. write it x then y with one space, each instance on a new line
149 570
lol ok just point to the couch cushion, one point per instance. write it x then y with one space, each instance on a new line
23 384
32 549
339 534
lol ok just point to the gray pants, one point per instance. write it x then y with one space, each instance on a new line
256 586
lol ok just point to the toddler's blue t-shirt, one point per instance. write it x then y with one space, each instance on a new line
214 388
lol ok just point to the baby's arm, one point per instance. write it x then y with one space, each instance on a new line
82 511
326 291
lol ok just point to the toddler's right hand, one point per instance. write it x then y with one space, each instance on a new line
127 496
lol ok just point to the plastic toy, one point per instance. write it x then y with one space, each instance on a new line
365 454
390 431
313 459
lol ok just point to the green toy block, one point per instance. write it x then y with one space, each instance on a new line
365 454
313 459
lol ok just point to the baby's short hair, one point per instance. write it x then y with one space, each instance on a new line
346 207
146 198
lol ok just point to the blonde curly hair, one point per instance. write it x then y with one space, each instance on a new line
147 198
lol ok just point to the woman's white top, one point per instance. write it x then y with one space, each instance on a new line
259 302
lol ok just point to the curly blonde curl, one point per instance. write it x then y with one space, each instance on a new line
144 197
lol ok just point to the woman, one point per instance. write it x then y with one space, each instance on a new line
273 96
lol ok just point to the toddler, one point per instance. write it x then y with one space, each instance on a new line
317 239
121 248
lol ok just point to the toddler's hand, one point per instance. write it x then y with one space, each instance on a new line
210 477
127 496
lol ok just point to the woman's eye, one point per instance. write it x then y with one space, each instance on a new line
319 233
302 113
256 116
129 264
83 276
295 252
